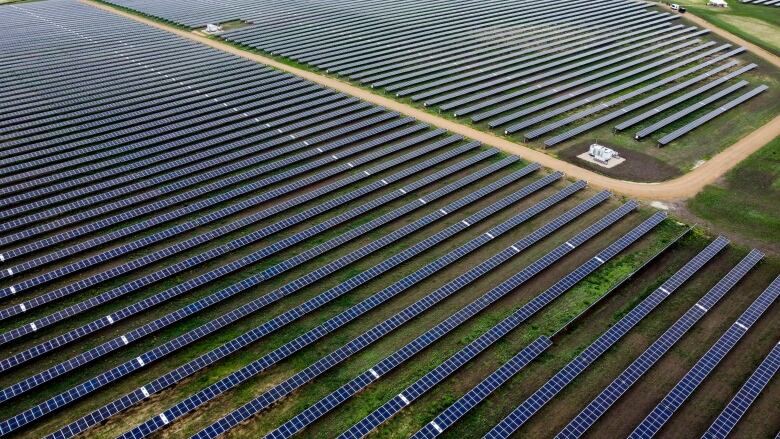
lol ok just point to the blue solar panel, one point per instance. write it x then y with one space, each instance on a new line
453 413
673 400
460 358
187 338
343 318
312 413
563 377
596 408
736 408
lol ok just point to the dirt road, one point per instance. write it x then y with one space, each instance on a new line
680 188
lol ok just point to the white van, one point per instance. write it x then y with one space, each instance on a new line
675 7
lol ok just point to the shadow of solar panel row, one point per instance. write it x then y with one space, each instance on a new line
183 340
736 408
473 397
392 361
214 274
599 405
568 373
474 348
291 315
392 323
673 400
208 236
665 140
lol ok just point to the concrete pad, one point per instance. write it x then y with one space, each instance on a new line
612 162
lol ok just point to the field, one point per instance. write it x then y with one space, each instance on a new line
746 201
194 244
755 23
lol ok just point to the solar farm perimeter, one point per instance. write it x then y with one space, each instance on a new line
554 74
196 245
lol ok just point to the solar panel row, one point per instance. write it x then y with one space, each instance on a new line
673 400
450 416
187 338
335 357
671 103
474 348
392 361
149 258
569 373
665 140
209 276
322 330
599 405
343 318
736 408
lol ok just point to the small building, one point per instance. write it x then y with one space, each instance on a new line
718 3
601 153
213 28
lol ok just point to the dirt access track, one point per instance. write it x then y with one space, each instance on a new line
679 188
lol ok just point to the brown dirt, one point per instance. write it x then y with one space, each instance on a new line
638 165
680 188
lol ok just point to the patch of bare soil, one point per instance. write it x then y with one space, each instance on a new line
637 167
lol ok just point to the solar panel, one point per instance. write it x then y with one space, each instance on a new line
636 105
474 348
199 239
665 140
673 400
571 371
405 283
392 361
599 405
322 330
669 104
688 110
736 408
281 390
464 404
181 341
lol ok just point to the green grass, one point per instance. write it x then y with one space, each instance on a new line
748 201
735 19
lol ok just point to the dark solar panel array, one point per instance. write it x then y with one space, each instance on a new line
335 357
296 312
499 63
599 405
453 363
736 408
473 397
574 368
190 337
673 400
324 405
665 140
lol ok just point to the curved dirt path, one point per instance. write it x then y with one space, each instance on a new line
680 188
